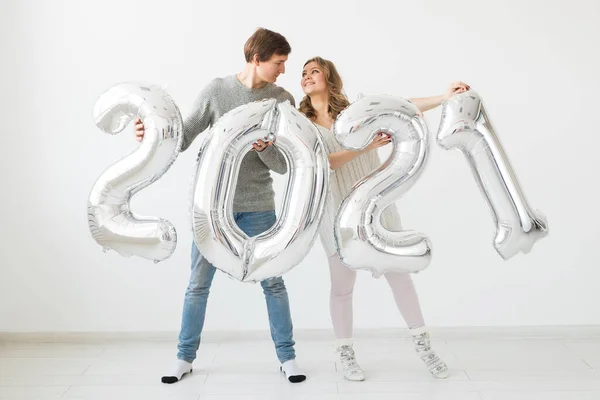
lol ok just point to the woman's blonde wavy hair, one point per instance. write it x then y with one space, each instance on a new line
337 99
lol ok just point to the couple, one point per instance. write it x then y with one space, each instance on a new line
254 207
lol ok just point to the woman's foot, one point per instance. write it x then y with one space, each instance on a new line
433 362
350 367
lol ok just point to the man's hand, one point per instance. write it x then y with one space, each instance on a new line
260 145
139 129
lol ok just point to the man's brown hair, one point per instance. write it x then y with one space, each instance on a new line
265 44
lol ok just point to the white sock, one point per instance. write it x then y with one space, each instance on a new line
342 342
418 331
178 369
292 371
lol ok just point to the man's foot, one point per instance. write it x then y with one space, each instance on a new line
432 361
178 370
292 371
352 370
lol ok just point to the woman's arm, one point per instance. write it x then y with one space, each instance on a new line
338 159
428 103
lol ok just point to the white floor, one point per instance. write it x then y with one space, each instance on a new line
483 368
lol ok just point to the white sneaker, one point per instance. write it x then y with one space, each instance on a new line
433 362
352 370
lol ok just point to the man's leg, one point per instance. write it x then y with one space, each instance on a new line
194 310
280 318
278 305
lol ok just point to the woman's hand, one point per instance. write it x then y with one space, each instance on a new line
379 141
456 88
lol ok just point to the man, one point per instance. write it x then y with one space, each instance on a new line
254 201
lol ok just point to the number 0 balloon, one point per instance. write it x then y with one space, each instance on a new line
272 253
110 220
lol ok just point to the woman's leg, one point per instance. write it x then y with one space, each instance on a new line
407 302
340 305
340 300
406 298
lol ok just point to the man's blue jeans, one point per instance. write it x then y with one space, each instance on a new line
196 296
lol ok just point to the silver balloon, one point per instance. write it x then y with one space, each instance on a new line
362 241
466 126
110 219
219 239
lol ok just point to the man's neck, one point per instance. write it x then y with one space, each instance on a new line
249 78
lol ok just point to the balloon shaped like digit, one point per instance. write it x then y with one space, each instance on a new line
110 220
219 239
466 126
362 241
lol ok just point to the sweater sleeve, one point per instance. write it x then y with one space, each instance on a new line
273 159
271 156
288 96
200 118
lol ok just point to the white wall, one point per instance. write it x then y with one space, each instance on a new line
535 63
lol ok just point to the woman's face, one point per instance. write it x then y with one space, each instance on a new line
313 79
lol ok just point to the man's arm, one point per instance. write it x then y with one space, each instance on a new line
199 119
271 156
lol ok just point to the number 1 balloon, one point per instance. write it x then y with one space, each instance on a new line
466 126
110 219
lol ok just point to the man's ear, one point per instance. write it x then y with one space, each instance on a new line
255 59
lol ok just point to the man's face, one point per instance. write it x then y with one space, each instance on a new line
270 70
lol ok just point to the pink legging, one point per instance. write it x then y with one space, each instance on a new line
342 286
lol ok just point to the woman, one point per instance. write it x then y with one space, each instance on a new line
323 101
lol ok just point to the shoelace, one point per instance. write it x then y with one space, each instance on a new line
422 342
348 359
430 358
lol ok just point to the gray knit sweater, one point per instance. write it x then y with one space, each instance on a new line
254 190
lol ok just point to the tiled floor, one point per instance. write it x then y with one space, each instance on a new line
482 369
